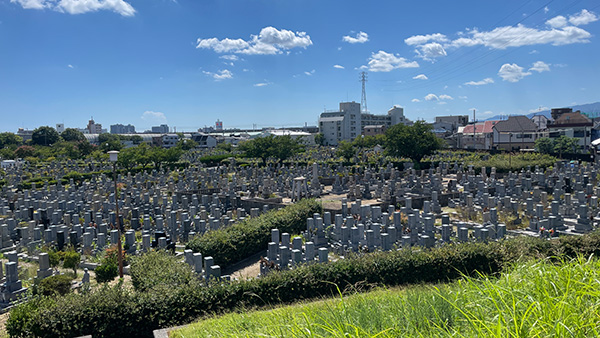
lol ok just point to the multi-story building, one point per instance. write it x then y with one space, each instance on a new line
162 129
453 121
340 125
348 122
122 129
572 124
60 127
93 127
169 140
374 130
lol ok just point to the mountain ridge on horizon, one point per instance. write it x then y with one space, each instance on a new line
592 109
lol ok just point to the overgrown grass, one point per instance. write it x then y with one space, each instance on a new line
534 299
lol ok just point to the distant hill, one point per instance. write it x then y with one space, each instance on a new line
590 109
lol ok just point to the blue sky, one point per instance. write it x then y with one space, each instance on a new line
279 63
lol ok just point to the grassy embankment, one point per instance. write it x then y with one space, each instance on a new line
535 299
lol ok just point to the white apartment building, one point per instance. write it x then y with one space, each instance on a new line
348 123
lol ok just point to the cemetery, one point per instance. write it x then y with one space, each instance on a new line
281 221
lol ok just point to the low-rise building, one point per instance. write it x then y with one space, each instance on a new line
572 124
479 135
515 133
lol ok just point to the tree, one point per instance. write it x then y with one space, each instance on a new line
109 142
71 261
72 135
320 139
564 144
346 150
24 151
544 145
280 147
224 146
414 142
10 139
44 136
186 144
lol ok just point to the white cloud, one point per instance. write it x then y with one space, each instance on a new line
546 9
262 84
512 72
269 41
423 39
486 113
534 52
386 62
154 117
463 97
361 37
538 109
445 97
431 97
31 4
70 66
338 66
223 74
504 37
415 100
420 77
557 22
229 57
79 6
431 51
442 102
309 73
540 66
583 18
485 81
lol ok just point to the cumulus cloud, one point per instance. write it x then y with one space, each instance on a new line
583 18
445 97
423 39
338 66
420 77
361 37
223 74
485 81
415 100
430 51
154 117
79 6
269 41
386 62
557 22
512 72
70 66
540 66
431 97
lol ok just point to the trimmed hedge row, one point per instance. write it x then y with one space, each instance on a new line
241 240
120 312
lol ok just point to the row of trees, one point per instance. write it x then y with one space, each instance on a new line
414 142
278 147
558 146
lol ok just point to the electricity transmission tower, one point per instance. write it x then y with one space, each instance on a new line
363 98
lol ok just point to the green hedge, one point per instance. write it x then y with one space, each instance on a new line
121 312
241 240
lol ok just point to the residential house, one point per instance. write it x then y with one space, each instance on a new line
518 132
476 136
573 124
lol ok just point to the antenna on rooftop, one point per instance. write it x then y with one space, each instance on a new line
363 98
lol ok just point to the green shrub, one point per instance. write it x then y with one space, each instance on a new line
158 268
54 285
106 272
119 312
243 239
71 260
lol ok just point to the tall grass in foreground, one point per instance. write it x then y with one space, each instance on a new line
536 299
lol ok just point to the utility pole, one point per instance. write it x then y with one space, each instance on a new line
363 98
474 127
